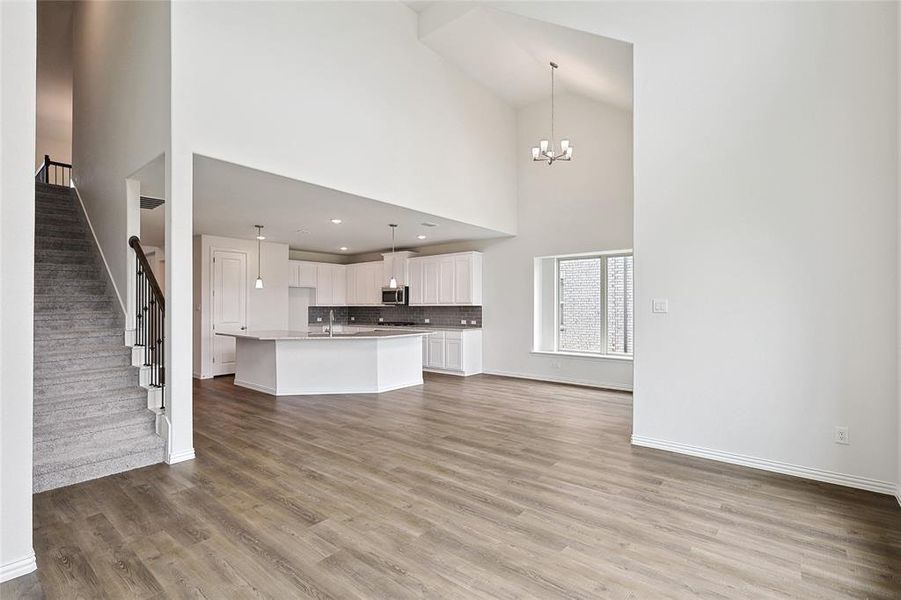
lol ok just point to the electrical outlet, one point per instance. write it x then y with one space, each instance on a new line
381 319
841 435
555 365
659 305
462 321
319 319
353 318
427 321
472 322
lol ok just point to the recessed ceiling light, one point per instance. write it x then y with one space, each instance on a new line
343 248
420 237
336 221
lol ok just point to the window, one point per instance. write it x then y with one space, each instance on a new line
584 304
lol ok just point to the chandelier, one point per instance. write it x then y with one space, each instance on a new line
544 151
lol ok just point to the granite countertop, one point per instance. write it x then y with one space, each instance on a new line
426 326
346 333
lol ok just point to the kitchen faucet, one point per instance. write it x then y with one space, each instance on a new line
331 323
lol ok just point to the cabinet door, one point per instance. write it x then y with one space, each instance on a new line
436 351
339 285
324 285
306 274
375 283
446 280
425 351
415 282
350 279
453 354
463 280
361 276
430 282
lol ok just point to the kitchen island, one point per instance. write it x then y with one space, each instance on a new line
350 361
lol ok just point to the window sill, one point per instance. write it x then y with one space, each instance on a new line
583 355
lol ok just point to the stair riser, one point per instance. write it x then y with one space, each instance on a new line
59 209
53 325
58 230
60 220
62 243
64 385
70 305
68 257
73 365
59 413
136 424
78 343
64 288
53 480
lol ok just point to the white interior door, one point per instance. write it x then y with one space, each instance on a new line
229 287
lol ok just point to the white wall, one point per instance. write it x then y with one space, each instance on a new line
345 96
766 211
17 134
581 206
54 82
267 309
120 112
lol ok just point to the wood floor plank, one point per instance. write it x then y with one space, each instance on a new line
483 487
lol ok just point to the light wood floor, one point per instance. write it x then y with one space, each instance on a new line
464 488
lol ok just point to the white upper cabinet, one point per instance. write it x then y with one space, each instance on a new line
364 283
330 285
302 274
446 279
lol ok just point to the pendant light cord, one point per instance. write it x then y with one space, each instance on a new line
553 141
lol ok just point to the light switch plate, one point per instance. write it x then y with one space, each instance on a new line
381 319
659 305
319 319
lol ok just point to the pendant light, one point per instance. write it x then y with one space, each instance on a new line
392 283
260 238
544 151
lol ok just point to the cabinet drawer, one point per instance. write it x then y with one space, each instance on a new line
453 335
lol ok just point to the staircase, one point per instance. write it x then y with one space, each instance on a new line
90 414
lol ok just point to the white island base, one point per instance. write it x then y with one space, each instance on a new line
339 365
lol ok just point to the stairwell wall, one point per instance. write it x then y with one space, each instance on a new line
17 141
121 114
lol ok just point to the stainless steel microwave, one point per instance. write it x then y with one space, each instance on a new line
396 296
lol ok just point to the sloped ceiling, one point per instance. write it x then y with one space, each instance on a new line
509 54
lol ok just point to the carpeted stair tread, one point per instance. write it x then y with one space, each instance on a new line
136 421
82 397
114 459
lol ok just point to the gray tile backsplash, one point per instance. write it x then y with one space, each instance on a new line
441 316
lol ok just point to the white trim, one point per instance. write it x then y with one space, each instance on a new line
201 376
17 568
624 251
898 495
180 456
102 256
583 355
852 481
592 384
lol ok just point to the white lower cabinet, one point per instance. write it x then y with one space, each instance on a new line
457 351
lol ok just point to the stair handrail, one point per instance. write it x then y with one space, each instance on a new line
43 173
135 243
150 320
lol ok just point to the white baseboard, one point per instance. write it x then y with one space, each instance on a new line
325 391
182 456
17 568
898 495
852 481
199 376
591 384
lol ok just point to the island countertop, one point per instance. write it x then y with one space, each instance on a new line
346 333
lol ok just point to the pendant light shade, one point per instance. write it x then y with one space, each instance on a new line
392 283
260 237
